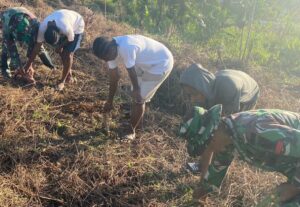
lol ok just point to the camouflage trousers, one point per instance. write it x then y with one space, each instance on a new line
10 53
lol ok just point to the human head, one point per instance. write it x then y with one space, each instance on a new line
52 35
194 96
199 129
197 82
105 48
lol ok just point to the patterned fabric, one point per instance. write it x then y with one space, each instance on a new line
266 138
7 14
217 170
199 129
18 25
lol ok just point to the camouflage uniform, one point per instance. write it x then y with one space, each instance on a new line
266 138
20 25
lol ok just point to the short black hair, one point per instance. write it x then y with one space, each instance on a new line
52 35
101 46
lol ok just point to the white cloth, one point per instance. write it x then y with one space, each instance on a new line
150 83
68 22
142 52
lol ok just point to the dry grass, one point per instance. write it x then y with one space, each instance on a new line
54 151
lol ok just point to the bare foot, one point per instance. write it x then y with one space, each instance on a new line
60 86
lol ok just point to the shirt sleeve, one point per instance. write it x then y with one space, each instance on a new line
68 32
128 55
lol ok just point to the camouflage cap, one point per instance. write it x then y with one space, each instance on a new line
198 130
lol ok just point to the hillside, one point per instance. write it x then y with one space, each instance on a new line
54 150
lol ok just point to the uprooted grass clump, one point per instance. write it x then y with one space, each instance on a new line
54 150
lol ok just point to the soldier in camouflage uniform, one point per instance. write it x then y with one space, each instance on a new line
266 138
19 25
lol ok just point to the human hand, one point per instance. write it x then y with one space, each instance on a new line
29 71
60 86
19 73
26 76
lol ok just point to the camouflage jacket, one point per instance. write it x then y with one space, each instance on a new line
20 25
6 17
267 138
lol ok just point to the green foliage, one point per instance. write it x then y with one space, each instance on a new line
258 31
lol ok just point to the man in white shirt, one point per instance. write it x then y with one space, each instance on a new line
62 29
148 64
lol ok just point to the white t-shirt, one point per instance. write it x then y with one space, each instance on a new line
142 52
68 22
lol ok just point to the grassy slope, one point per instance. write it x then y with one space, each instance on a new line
54 150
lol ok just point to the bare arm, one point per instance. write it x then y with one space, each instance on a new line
136 93
59 48
206 160
32 56
218 143
133 78
114 78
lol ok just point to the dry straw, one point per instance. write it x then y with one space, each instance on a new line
55 152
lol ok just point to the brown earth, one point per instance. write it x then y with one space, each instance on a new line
54 150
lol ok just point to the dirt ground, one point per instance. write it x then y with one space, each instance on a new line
55 151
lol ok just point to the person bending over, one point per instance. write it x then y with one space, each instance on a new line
148 64
265 138
19 25
234 89
62 29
